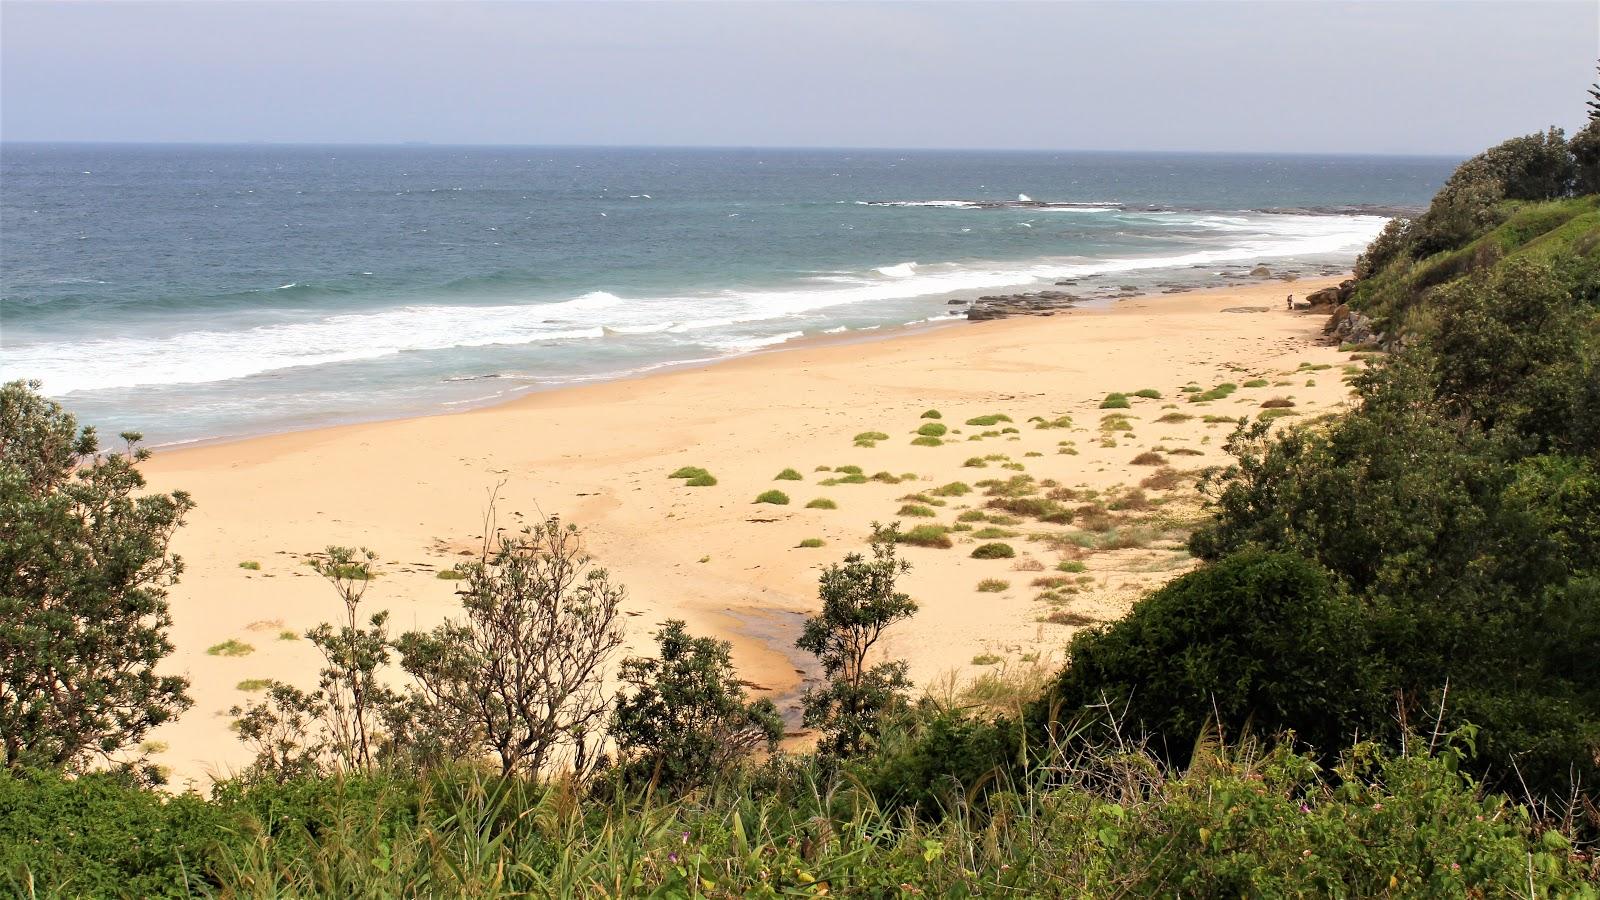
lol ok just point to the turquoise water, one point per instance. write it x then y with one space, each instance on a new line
192 292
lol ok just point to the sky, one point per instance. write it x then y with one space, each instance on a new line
1315 77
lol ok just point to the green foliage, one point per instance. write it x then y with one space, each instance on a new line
250 564
926 441
1257 640
822 503
1148 393
449 575
933 429
993 586
84 573
993 551
916 511
953 489
694 476
682 718
1115 401
230 647
788 475
811 543
932 414
926 536
860 600
776 497
688 472
868 439
986 421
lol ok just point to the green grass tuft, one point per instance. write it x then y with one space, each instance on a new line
777 498
448 575
1148 393
993 585
991 419
250 564
254 684
822 503
811 543
927 441
688 472
704 479
993 551
916 511
1115 401
933 429
230 647
932 414
927 536
788 475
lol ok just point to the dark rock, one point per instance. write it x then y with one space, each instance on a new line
1261 272
1036 303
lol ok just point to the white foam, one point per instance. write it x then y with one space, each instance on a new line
218 353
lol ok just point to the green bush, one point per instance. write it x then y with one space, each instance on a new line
1258 640
933 429
932 414
986 421
230 647
993 551
811 543
250 564
926 536
788 475
1115 401
688 472
1148 393
927 441
916 511
778 498
822 503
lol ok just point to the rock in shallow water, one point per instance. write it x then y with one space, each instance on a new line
1035 303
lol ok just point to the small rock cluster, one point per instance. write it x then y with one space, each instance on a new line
1033 303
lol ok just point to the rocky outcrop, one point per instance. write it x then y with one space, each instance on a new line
1332 296
1347 326
1035 303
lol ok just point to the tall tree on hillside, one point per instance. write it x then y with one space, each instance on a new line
84 572
1594 100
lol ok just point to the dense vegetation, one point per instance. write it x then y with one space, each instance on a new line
1383 680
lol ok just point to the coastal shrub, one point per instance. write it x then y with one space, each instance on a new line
860 600
988 420
822 503
953 489
811 543
933 429
848 470
916 511
788 475
846 479
1219 392
250 564
993 534
682 717
1277 403
867 439
1256 383
704 479
1071 565
230 647
250 685
1115 401
1148 458
886 477
1174 418
688 472
987 659
288 636
1042 508
778 498
449 575
84 574
1269 415
932 414
993 551
1259 639
1057 422
926 536
1148 393
926 441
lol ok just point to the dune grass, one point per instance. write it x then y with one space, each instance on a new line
448 575
994 550
927 536
927 440
811 543
250 564
788 475
933 429
230 647
254 684
287 635
1148 458
1148 393
822 503
1115 400
932 414
777 498
1256 383
988 420
688 472
1219 392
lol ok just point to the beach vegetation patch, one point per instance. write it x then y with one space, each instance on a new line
1277 403
971 515
993 585
250 564
1164 479
933 429
777 498
937 536
848 470
886 477
1148 458
916 511
953 489
993 534
822 503
996 550
449 575
1219 392
689 472
1270 414
1174 418
932 414
811 543
230 647
1256 383
1057 422
927 441
1071 565
986 421
1148 393
1115 401
287 635
788 475
847 479
986 659
704 479
251 685
869 439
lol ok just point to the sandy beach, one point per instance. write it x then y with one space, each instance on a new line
415 491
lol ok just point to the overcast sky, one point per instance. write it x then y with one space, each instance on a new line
1387 77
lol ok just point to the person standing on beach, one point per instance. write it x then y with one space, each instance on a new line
1289 303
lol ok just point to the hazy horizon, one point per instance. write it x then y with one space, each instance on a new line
1337 78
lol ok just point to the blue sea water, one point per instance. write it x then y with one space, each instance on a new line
192 292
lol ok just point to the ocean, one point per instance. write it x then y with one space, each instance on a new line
193 292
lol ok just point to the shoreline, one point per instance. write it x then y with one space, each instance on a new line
598 454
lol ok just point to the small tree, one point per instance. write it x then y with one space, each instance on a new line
350 720
521 676
84 572
684 717
859 602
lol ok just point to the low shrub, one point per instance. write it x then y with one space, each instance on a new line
932 414
953 489
916 511
1148 393
822 503
811 543
688 472
778 498
1115 401
788 475
250 564
230 647
1148 458
926 536
926 441
933 429
994 550
1174 418
993 585
449 575
1277 403
986 421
